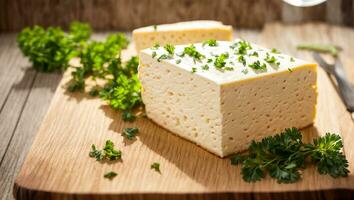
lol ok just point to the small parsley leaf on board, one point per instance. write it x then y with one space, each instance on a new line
110 175
128 116
130 133
108 152
282 156
155 166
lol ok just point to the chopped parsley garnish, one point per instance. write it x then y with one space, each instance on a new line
155 47
128 116
220 61
228 68
194 70
242 47
170 49
209 60
255 54
162 57
155 166
275 51
292 59
108 152
178 61
154 27
130 133
154 54
192 52
110 175
205 67
244 71
283 156
258 65
269 59
242 60
290 70
211 43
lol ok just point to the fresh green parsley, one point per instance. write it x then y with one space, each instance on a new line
170 49
242 47
192 52
130 133
108 152
245 71
194 70
154 54
178 61
257 65
255 54
110 175
275 51
270 59
209 60
156 46
51 49
155 166
242 60
205 67
220 61
211 43
292 59
290 70
283 156
163 57
128 116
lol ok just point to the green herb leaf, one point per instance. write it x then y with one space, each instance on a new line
110 175
128 116
170 49
242 60
220 61
130 133
192 52
258 65
282 156
210 42
275 51
108 152
155 166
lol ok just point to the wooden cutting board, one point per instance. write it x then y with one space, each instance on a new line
58 165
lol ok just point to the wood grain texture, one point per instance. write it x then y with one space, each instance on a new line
58 166
129 14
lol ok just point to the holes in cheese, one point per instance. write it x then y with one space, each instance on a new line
221 110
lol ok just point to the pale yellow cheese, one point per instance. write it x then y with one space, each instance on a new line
223 111
181 33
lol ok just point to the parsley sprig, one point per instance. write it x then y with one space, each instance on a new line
210 42
283 156
51 49
108 152
192 52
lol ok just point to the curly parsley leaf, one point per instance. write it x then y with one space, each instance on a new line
155 166
130 133
108 152
283 156
110 175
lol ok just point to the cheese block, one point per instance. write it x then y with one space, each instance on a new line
222 95
180 33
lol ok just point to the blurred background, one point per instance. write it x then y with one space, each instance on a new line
129 14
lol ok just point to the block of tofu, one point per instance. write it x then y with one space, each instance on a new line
181 33
223 96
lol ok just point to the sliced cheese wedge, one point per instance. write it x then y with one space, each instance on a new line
222 97
180 33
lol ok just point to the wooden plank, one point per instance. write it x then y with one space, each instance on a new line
129 14
57 165
35 108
